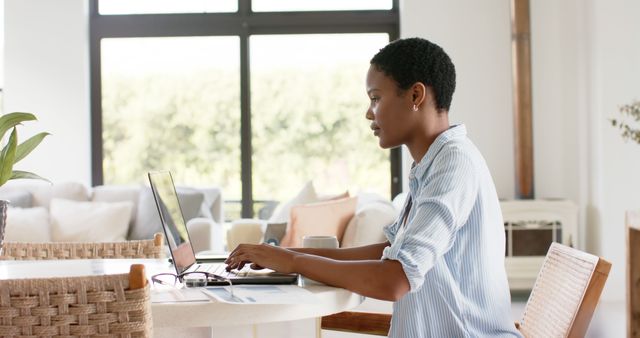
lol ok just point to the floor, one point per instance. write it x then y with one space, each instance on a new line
609 320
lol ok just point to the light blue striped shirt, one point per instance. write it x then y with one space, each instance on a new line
452 247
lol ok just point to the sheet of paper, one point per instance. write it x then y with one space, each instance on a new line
180 295
263 294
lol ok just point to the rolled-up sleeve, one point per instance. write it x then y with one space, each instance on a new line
442 203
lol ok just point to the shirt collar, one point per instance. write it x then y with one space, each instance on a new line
454 132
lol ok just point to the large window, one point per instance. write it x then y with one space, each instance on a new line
256 102
171 103
308 114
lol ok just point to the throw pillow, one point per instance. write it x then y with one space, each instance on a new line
211 203
28 225
322 198
117 193
366 226
283 212
17 198
325 218
73 221
147 219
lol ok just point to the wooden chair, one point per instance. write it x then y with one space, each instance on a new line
561 303
150 248
633 273
91 306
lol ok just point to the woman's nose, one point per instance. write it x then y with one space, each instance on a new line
369 114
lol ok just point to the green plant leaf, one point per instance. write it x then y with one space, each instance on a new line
8 157
10 120
19 174
27 146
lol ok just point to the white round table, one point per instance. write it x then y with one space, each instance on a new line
203 313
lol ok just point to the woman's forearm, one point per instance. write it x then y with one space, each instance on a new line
381 279
373 251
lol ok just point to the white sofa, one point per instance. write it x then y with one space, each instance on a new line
36 202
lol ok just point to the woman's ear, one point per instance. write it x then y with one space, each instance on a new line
418 93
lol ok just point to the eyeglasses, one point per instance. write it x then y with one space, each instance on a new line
190 279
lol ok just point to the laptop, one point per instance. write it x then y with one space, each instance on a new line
182 254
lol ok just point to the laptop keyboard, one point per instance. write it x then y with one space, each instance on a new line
220 270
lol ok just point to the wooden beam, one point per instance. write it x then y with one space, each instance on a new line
633 273
522 98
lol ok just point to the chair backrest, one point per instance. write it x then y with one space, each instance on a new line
108 305
565 293
150 248
633 273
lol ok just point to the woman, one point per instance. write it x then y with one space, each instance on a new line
443 263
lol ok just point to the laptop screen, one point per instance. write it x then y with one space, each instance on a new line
172 220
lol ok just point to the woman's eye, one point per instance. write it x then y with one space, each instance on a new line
375 99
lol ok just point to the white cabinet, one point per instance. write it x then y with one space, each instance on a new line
530 228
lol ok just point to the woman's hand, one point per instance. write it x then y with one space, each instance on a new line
262 256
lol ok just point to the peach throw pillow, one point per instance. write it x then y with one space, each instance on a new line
325 218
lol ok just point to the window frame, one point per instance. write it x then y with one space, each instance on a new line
243 24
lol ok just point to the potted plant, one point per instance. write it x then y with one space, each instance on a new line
629 111
11 153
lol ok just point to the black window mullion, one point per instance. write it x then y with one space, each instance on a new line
212 24
97 173
246 151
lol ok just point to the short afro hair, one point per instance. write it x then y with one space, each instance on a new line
412 60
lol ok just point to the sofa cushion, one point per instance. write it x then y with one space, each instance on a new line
42 192
324 218
366 226
147 220
304 196
73 191
73 221
28 225
17 198
399 200
118 193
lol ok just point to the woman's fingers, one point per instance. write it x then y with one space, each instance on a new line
255 266
238 260
239 250
247 254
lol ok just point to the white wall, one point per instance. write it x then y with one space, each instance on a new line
47 73
585 63
476 35
616 165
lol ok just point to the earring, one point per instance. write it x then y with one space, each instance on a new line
415 107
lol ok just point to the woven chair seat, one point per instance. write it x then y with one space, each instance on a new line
91 306
150 248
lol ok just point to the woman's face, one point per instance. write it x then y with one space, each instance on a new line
389 109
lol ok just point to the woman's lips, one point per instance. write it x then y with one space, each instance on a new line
375 128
